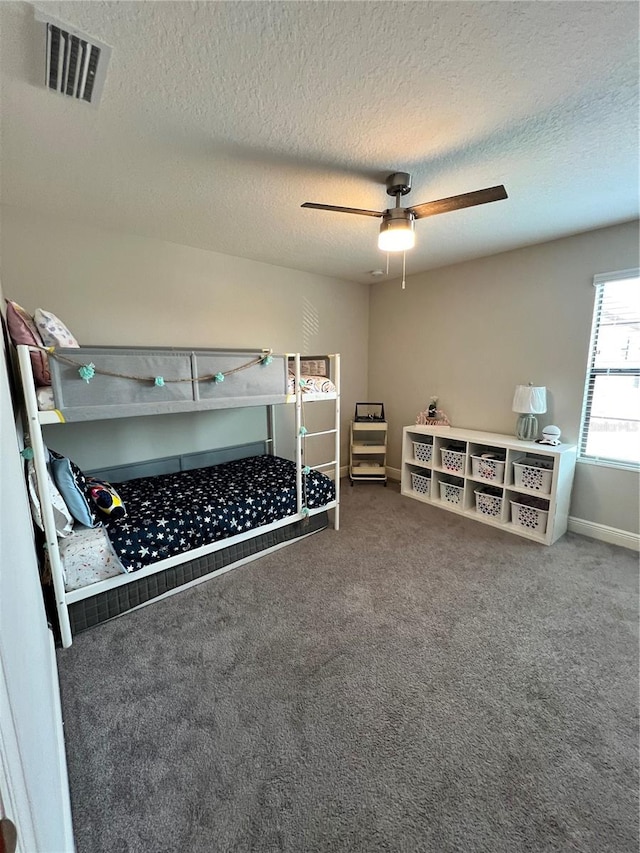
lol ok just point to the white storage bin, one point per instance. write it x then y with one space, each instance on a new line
529 516
422 451
451 493
488 468
453 460
534 474
420 483
488 503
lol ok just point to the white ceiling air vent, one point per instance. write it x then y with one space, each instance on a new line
76 65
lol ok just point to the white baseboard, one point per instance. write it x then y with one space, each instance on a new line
605 533
602 532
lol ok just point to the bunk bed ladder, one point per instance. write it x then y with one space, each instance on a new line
335 431
336 381
298 429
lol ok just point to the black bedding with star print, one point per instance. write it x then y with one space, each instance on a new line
175 513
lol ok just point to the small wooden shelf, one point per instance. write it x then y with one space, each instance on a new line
368 452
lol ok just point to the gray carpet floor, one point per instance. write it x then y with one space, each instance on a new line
415 682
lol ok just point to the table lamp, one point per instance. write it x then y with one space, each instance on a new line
529 401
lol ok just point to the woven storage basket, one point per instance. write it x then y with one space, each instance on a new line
420 483
488 504
534 474
453 460
422 451
530 517
451 493
491 470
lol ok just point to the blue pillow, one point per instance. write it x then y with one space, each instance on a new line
72 485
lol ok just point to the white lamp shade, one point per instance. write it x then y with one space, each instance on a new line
396 236
530 399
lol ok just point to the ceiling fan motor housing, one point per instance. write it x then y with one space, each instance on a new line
403 215
399 183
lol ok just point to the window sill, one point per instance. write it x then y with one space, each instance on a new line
609 463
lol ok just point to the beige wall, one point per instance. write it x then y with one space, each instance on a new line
469 333
118 289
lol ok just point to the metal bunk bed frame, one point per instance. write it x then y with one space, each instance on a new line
36 419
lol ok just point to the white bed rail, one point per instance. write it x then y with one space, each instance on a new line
42 478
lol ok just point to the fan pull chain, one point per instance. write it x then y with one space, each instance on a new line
387 264
404 269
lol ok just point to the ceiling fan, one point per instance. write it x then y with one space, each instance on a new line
397 228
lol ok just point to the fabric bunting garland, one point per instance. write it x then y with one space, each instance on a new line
88 371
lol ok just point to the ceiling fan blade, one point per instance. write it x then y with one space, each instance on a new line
457 202
336 209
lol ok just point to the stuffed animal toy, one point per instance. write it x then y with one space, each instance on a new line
106 499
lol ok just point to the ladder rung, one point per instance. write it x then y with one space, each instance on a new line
324 432
324 465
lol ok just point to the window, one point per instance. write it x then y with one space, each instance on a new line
610 432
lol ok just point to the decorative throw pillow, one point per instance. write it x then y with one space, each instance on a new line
314 366
61 515
106 499
73 488
52 330
22 330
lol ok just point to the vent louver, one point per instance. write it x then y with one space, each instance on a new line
75 63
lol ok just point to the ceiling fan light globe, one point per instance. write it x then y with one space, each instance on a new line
396 236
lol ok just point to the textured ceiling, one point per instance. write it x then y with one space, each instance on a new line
218 119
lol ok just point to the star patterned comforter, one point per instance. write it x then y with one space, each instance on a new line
175 513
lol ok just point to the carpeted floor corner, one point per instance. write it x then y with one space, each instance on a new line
414 682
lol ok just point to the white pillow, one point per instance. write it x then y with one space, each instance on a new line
61 515
52 330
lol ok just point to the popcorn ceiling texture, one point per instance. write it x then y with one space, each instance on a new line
219 119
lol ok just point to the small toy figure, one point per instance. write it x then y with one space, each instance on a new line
432 415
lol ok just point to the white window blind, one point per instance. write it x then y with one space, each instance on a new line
610 429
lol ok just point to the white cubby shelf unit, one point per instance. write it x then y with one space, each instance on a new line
519 486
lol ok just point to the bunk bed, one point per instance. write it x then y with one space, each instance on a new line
238 502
